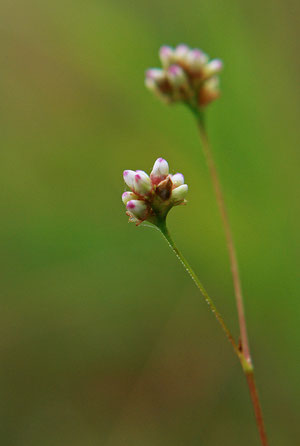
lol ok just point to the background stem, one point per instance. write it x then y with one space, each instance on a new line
257 407
229 240
245 348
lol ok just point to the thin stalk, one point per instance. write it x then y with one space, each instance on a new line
246 361
257 407
229 240
247 368
164 230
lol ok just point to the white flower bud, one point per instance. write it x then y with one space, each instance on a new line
177 180
181 53
166 55
155 74
179 193
154 77
128 176
176 76
137 208
196 60
127 196
212 68
142 183
160 171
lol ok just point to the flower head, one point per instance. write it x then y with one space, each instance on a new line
151 197
186 76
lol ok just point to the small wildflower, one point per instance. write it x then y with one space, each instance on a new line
186 76
151 197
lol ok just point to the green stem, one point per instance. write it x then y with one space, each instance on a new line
246 366
164 230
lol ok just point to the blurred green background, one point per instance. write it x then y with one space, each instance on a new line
104 338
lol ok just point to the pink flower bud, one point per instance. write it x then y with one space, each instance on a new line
160 171
166 55
177 180
196 60
176 76
128 176
181 53
179 193
137 208
154 77
212 68
142 183
155 74
127 196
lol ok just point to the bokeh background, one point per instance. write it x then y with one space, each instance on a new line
104 339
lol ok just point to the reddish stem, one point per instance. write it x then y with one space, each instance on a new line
257 408
246 360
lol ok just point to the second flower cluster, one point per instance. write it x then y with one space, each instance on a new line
187 75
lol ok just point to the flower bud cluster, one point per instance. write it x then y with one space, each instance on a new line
187 75
151 197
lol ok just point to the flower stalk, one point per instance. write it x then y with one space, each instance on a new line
246 362
229 239
150 199
165 232
246 365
